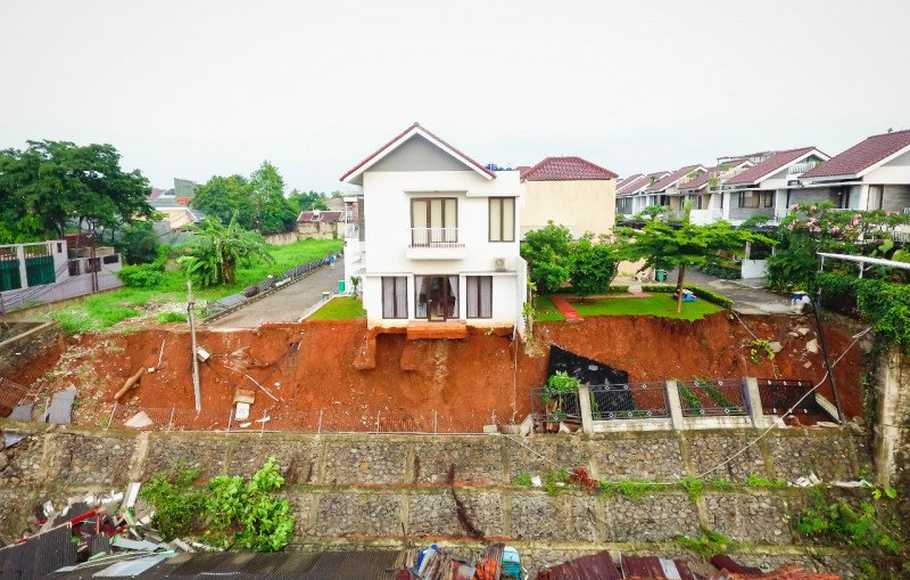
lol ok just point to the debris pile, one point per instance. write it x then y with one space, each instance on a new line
497 562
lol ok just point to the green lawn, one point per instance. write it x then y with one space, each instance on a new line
661 305
103 310
340 308
544 311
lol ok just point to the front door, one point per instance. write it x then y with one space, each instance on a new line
437 297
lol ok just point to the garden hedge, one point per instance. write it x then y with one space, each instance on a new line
703 293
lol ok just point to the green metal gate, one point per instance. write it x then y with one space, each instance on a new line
9 274
39 265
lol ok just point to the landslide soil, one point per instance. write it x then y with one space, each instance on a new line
447 385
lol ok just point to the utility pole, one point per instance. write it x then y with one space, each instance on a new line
190 317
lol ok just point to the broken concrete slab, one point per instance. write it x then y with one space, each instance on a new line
775 346
60 411
140 420
22 412
812 346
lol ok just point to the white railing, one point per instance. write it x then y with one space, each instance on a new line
435 238
801 168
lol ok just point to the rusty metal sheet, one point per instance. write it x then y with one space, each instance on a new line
598 566
655 567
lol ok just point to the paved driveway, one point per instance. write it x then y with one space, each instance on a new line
287 304
748 295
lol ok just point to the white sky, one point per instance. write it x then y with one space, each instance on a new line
191 88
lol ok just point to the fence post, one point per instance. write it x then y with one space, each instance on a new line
753 399
675 406
584 409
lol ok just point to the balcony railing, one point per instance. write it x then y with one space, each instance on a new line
435 238
801 168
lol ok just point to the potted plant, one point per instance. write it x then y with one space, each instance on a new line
558 385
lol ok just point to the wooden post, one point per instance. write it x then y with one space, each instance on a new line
190 317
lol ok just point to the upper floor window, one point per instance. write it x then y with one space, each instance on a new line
434 221
502 219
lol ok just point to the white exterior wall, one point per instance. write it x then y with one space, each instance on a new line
387 199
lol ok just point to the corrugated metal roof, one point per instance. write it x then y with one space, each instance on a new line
598 566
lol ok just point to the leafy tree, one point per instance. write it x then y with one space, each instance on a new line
271 211
687 244
593 266
222 197
217 250
140 243
652 212
50 185
549 258
305 201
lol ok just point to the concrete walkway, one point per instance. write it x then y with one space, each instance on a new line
749 295
287 304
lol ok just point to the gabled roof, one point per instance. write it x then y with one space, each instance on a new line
863 156
675 177
633 185
319 216
699 181
772 165
627 179
415 129
566 169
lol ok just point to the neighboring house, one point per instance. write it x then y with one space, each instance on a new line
435 236
702 192
765 189
874 174
320 224
175 204
665 191
631 197
44 272
569 191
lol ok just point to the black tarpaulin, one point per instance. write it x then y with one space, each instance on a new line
586 370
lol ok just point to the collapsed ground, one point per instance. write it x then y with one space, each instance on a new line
453 386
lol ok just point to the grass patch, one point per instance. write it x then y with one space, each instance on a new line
171 316
545 311
101 311
341 308
661 305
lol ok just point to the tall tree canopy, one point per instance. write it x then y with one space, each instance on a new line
662 245
258 202
307 200
51 185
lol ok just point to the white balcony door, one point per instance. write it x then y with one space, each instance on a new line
434 221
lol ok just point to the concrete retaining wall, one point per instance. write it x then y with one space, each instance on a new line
35 341
387 490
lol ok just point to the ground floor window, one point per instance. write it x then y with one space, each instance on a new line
436 297
479 296
394 297
756 199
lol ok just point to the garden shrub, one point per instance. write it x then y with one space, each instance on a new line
703 293
142 276
593 266
229 512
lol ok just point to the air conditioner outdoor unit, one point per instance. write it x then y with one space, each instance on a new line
499 264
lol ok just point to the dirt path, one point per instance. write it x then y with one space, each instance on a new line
286 305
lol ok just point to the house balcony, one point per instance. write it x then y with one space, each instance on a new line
800 168
435 244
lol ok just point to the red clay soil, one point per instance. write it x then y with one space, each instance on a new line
447 385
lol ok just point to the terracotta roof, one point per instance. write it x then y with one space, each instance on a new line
770 165
633 185
677 175
863 155
699 181
402 134
626 180
320 216
566 169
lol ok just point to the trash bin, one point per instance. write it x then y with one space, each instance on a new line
341 286
660 275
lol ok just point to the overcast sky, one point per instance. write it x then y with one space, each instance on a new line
191 89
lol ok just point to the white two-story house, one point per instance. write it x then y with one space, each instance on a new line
435 236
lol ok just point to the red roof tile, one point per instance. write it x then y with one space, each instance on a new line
627 180
402 134
677 175
770 165
698 181
633 185
566 169
863 155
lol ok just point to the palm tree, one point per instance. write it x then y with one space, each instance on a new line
216 250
